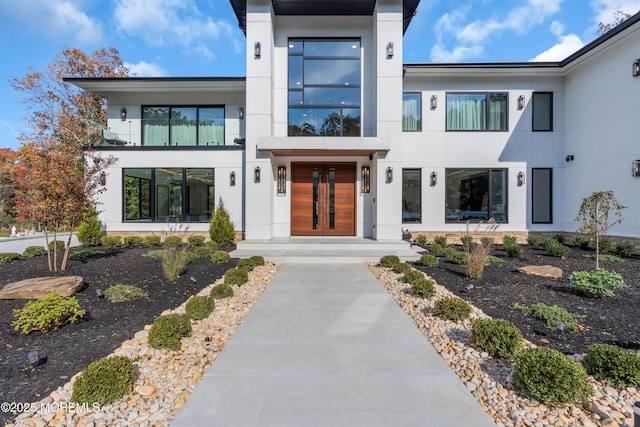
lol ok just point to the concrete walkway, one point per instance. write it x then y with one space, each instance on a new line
19 244
326 345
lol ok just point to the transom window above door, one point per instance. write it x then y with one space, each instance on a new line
324 87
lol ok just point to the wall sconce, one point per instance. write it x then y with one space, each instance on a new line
635 168
388 176
256 50
636 68
123 114
241 113
433 179
521 102
256 174
282 180
389 50
434 102
520 179
569 158
365 179
232 178
103 178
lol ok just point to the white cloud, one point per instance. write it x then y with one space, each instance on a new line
457 54
145 69
567 45
605 9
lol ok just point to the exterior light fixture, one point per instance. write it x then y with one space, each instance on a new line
193 280
635 168
521 102
256 174
33 358
99 293
569 158
389 50
123 114
232 178
434 102
636 68
241 113
389 175
365 179
257 50
433 179
520 179
282 180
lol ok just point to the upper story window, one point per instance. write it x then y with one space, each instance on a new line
324 87
411 112
477 111
182 126
542 111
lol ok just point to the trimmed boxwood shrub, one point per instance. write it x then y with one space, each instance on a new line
58 244
423 287
46 314
456 257
513 250
257 260
133 241
401 268
551 377
429 260
152 240
555 248
173 241
223 290
452 308
389 261
111 241
497 337
34 251
236 276
195 240
246 263
166 331
440 240
435 249
613 364
104 381
219 257
199 307
6 257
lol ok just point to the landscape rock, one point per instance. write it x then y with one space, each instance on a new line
39 287
542 270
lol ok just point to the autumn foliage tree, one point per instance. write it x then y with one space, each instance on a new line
8 160
58 175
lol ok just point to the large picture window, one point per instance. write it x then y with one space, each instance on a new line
476 195
324 87
182 126
541 195
477 112
411 195
542 111
411 112
168 194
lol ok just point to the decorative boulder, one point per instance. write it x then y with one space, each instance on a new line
542 270
38 287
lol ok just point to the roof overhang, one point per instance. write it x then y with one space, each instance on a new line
106 85
323 146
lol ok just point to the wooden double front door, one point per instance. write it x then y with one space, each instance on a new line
323 199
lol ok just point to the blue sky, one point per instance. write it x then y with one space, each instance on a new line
201 37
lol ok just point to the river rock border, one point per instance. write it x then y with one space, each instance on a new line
490 380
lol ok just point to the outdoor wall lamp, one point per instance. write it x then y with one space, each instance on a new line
569 158
365 179
282 180
256 50
635 168
434 102
521 102
256 174
123 114
433 178
389 50
636 68
232 178
241 113
389 175
520 179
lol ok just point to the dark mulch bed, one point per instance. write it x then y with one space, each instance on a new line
612 320
71 348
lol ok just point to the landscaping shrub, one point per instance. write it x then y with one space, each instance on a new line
84 254
195 240
221 229
581 242
452 308
497 337
429 260
236 276
533 241
173 241
467 242
257 260
551 315
6 257
123 293
477 254
551 377
423 287
555 248
203 251
219 257
509 240
133 241
613 364
46 314
245 263
513 251
412 275
152 240
110 241
389 261
435 249
199 307
89 231
605 246
166 331
440 240
599 283
34 251
174 262
605 257
421 241
104 381
625 248
57 244
223 290
494 259
401 268
455 257
156 253
558 238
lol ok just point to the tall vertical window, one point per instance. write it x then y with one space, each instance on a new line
182 126
411 112
411 195
542 111
324 87
477 111
476 195
541 195
168 194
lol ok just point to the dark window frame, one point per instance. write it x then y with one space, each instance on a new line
489 171
533 192
197 137
419 95
533 112
487 94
